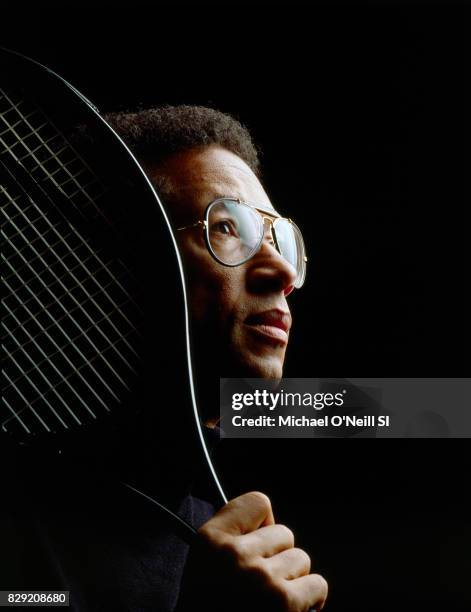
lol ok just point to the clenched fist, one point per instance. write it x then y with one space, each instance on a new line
244 561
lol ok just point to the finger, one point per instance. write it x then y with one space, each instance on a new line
289 564
241 515
307 591
267 541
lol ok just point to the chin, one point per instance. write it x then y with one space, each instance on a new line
256 366
254 356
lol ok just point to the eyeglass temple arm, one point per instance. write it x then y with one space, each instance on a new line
203 223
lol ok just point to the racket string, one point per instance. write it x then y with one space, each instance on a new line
50 387
31 139
80 284
53 156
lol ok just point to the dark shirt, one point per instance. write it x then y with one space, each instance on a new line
72 529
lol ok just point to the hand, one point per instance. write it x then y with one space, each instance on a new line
251 563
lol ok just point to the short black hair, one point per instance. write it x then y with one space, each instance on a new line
157 133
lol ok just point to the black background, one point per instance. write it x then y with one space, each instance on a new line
358 109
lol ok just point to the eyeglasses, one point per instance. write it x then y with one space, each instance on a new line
234 232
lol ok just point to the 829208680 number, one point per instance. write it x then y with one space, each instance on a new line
34 598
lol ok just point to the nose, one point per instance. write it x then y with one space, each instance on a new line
268 271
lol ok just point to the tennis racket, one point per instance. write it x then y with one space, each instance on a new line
92 279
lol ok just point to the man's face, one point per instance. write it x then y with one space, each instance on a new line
240 317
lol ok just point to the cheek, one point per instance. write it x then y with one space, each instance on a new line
215 292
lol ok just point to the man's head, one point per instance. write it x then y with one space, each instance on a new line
193 155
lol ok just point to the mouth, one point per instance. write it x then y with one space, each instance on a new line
271 325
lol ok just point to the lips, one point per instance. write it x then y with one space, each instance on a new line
271 324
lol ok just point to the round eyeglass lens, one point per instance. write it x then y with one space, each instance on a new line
291 246
234 231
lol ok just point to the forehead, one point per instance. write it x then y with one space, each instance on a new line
202 175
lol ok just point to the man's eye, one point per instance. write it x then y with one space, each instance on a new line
225 227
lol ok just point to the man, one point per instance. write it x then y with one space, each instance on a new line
197 157
87 533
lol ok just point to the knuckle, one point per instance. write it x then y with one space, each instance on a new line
287 533
303 557
260 498
215 538
254 567
238 549
257 569
233 554
284 597
322 586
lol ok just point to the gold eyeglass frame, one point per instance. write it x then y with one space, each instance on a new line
272 217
